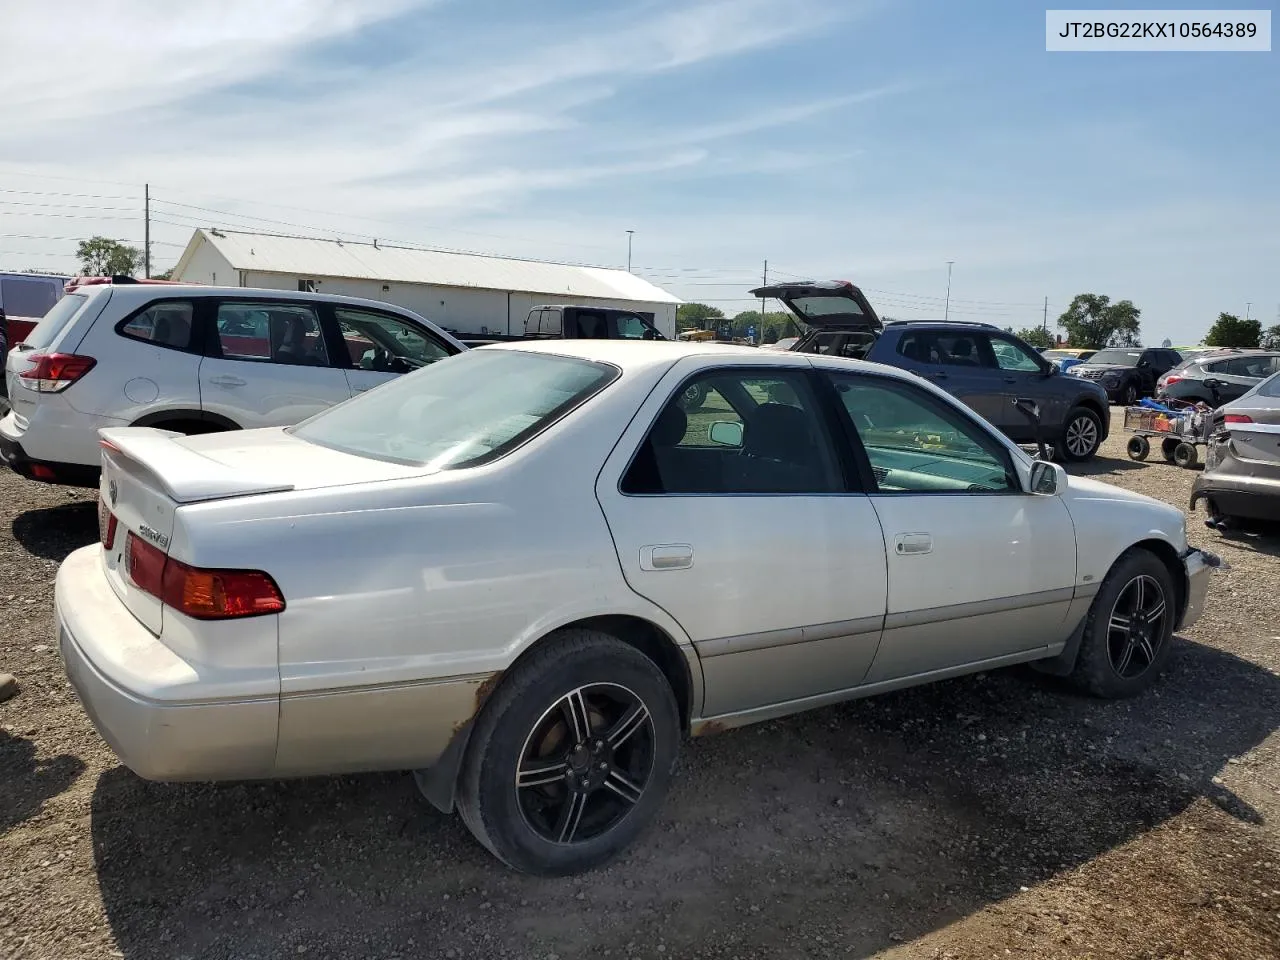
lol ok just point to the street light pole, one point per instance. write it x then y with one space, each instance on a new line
946 313
630 233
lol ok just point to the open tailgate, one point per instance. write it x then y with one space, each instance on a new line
825 304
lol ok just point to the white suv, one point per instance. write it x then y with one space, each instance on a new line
194 359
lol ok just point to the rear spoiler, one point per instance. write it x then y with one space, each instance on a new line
182 474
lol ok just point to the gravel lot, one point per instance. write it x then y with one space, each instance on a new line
995 815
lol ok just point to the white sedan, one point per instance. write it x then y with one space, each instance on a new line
526 572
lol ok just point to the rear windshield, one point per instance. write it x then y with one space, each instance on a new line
28 296
826 306
1270 387
460 412
55 321
1123 358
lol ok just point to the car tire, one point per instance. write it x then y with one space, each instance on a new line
693 397
1167 446
592 725
1129 396
1186 455
1081 435
1138 447
1120 655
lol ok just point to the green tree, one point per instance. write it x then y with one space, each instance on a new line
776 325
695 316
1036 336
1270 339
104 257
1230 331
1092 321
165 275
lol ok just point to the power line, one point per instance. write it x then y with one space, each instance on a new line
38 236
78 196
65 206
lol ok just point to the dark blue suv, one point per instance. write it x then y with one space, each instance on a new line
977 363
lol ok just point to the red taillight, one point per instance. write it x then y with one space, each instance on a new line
54 372
106 526
1170 379
1237 418
202 594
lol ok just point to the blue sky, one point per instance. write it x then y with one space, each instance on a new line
870 141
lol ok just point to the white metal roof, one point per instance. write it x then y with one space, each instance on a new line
309 257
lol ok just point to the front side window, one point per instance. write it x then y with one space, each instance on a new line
1012 356
630 327
376 341
283 333
1248 366
945 348
917 444
165 324
754 433
473 409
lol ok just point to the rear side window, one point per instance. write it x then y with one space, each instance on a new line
271 333
1247 366
56 320
947 349
376 341
165 324
27 297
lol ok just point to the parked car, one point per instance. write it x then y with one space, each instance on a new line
576 322
1067 357
1128 373
1219 378
411 580
193 359
1241 478
981 365
24 299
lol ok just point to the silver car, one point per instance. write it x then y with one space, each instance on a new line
1241 479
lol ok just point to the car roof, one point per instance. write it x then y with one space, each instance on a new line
638 355
144 293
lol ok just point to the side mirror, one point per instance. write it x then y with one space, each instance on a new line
725 433
1047 479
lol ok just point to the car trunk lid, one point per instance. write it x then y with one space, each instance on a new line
149 474
825 304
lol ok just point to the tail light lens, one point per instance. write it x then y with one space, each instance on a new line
1170 379
54 372
106 526
1237 418
201 594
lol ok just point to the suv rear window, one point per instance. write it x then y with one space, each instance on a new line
55 321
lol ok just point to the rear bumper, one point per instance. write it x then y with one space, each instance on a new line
1253 498
1199 567
142 696
13 455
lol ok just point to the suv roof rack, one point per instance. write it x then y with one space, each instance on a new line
949 323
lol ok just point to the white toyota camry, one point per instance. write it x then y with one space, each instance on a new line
525 572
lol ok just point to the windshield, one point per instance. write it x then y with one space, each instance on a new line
1269 387
1058 355
52 323
1123 358
473 408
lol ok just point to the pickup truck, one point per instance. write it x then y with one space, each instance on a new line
574 322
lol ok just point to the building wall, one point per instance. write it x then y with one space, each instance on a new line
466 310
209 266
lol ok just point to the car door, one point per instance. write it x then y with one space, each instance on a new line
737 520
268 364
978 570
1023 373
379 346
960 362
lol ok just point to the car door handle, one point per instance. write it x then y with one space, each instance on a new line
666 556
228 382
1010 379
912 544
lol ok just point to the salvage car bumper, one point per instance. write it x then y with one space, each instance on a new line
1199 567
1251 497
139 692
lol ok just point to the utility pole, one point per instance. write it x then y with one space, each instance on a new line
946 313
1045 326
146 232
765 278
1247 307
630 234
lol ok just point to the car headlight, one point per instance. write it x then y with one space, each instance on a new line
1111 378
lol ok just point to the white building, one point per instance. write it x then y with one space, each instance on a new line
467 293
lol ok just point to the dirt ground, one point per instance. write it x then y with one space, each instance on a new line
993 816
